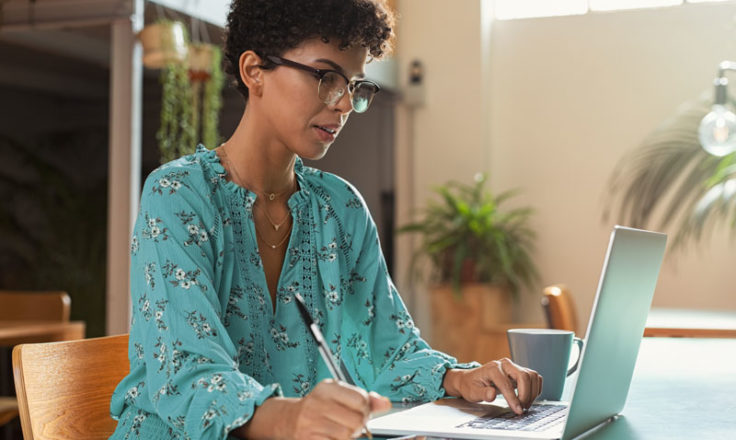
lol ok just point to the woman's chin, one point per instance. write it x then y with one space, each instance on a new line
313 154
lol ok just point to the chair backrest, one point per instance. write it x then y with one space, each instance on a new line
559 308
17 305
64 388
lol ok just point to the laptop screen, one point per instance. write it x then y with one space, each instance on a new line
617 322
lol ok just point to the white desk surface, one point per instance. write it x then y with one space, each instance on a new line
691 318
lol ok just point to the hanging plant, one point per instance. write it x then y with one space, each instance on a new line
191 88
176 134
212 101
206 76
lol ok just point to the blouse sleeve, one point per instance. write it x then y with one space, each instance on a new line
192 377
404 367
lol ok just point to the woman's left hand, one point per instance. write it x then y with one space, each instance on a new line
519 385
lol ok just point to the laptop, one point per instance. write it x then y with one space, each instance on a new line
617 321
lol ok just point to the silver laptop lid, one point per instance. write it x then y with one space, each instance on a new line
617 321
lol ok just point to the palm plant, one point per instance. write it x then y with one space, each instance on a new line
670 177
468 238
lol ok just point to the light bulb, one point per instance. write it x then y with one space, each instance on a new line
717 132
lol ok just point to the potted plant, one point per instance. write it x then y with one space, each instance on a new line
163 42
670 174
480 256
191 86
207 79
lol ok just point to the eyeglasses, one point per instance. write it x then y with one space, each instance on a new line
333 84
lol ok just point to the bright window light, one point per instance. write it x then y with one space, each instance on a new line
612 5
704 1
509 9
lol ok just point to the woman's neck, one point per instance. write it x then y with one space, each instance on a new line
260 162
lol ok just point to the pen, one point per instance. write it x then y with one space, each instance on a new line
324 350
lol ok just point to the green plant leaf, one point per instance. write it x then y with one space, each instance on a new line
466 224
672 175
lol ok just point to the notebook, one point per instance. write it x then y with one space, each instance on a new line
622 302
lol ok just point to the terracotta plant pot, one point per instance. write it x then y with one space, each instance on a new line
163 43
200 59
458 323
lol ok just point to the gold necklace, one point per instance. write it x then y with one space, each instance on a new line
271 196
275 225
273 246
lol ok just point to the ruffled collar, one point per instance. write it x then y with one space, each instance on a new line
211 158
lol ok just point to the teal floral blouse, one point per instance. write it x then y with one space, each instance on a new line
206 345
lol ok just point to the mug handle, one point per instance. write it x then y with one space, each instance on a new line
580 344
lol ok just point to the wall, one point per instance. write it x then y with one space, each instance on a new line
442 139
569 96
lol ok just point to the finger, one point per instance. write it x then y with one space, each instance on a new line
491 393
541 384
350 396
474 392
534 391
331 430
523 379
378 403
335 401
478 385
502 382
348 418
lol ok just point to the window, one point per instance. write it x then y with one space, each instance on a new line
511 9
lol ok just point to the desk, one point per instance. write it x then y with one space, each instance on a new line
23 332
683 388
691 323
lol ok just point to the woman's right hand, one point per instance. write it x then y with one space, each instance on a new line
332 410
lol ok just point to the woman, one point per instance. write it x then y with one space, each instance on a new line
225 238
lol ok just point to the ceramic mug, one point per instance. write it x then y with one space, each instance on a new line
547 351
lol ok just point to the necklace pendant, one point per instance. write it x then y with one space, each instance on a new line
276 227
273 246
271 196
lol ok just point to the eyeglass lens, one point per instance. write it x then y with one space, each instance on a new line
332 87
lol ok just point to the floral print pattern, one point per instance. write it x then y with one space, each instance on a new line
208 345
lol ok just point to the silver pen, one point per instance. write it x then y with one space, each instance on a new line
335 371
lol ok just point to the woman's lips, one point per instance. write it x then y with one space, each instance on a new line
326 133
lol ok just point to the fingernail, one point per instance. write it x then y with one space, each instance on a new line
517 409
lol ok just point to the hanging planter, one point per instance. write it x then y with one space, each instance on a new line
177 130
191 85
164 42
207 79
200 61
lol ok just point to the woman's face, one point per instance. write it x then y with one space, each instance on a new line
298 118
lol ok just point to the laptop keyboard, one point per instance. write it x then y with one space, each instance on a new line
538 418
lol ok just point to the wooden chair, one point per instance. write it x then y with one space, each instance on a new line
560 312
30 306
64 388
34 306
559 308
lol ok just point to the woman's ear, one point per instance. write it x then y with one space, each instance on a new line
250 72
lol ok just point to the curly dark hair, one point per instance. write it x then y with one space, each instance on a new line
271 27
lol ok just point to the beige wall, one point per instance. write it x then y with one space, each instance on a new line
568 96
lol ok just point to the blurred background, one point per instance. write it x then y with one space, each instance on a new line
550 98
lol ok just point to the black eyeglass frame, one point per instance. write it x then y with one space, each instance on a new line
320 73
